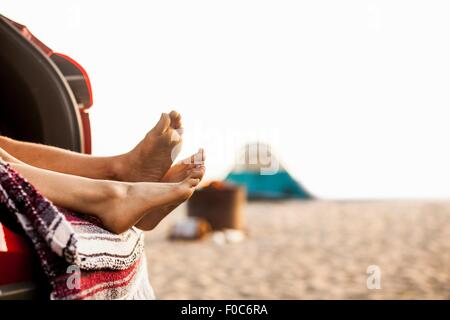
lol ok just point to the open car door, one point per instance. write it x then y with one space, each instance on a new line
44 98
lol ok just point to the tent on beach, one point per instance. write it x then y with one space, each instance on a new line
263 176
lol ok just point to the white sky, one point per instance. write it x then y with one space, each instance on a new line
354 95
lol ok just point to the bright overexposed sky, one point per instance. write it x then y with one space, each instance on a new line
354 96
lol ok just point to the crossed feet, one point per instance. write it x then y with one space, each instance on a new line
152 186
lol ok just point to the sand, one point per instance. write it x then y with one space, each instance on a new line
311 250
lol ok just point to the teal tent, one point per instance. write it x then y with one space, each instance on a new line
269 181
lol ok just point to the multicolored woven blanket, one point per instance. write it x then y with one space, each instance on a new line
79 257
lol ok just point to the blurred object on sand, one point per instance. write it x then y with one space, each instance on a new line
190 228
219 203
264 177
228 236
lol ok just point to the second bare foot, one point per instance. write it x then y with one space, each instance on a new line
136 200
192 167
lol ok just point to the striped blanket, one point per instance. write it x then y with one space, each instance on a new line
79 257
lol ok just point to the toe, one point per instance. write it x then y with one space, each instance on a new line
187 164
163 123
198 172
194 182
191 181
175 118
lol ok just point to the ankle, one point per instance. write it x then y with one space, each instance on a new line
117 191
109 207
119 165
110 194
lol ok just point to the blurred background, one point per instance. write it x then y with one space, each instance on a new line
352 98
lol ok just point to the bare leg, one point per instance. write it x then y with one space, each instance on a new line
148 161
118 205
60 160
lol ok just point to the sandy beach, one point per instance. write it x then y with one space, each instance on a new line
311 250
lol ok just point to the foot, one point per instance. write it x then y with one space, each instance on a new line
150 160
136 200
183 168
192 167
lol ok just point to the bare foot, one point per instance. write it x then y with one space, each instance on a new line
181 170
136 200
192 167
150 160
